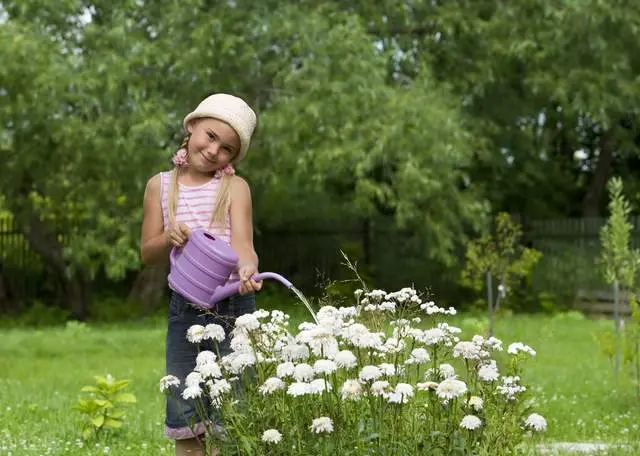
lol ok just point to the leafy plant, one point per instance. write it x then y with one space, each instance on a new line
103 408
500 256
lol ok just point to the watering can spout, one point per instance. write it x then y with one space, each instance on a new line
225 291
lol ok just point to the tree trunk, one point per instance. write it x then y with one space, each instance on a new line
149 287
43 240
593 198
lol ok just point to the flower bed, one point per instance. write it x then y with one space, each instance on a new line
386 376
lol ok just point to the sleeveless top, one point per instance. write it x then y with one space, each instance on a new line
195 206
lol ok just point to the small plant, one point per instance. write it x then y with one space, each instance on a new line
498 256
620 266
103 408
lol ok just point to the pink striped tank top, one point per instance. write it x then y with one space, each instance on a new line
194 208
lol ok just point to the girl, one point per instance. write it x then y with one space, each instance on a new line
202 192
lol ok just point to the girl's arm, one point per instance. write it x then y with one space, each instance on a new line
154 243
241 215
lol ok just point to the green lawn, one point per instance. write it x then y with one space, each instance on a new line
42 371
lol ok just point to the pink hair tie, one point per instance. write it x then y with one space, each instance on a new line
228 170
180 158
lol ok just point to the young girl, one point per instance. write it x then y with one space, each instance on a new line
202 192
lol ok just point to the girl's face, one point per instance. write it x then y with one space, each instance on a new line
213 144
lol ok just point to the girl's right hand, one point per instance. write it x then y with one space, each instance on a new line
177 235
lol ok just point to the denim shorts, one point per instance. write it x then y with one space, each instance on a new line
181 414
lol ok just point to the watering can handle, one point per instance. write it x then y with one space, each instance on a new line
173 256
231 288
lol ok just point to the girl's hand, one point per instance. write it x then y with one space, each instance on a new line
177 235
247 284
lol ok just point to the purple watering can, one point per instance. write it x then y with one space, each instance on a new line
201 269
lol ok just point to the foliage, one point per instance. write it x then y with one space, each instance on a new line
354 384
620 262
103 409
501 255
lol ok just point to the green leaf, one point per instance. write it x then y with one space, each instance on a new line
98 421
90 389
127 398
112 423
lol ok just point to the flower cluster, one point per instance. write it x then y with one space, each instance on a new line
339 377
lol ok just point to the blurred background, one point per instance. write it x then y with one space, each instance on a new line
392 131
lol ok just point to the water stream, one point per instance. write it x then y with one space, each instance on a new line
305 301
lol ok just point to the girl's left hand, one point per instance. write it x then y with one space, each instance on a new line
247 284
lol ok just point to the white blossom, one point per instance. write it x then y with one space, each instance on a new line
192 392
193 379
271 385
370 373
387 369
379 387
510 387
271 436
214 332
467 350
518 347
418 356
470 422
476 403
346 359
451 388
322 424
351 389
324 366
303 372
205 357
247 323
299 389
285 369
167 382
536 422
488 372
319 385
195 334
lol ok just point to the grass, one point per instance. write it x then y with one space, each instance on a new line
43 370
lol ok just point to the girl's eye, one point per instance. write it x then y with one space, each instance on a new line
211 136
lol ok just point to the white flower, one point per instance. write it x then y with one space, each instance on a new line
322 424
205 357
218 388
167 382
193 379
351 389
468 350
192 392
494 343
345 359
370 373
418 356
247 322
271 385
510 387
470 422
401 394
319 385
536 422
451 388
303 372
285 369
209 370
387 369
517 347
433 336
195 334
299 389
214 332
271 436
357 293
378 388
476 403
488 372
295 352
324 366
447 371
237 362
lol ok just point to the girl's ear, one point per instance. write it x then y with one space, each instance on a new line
190 125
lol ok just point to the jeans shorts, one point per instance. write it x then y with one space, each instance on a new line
181 414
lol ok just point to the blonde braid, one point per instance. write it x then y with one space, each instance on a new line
222 204
174 187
